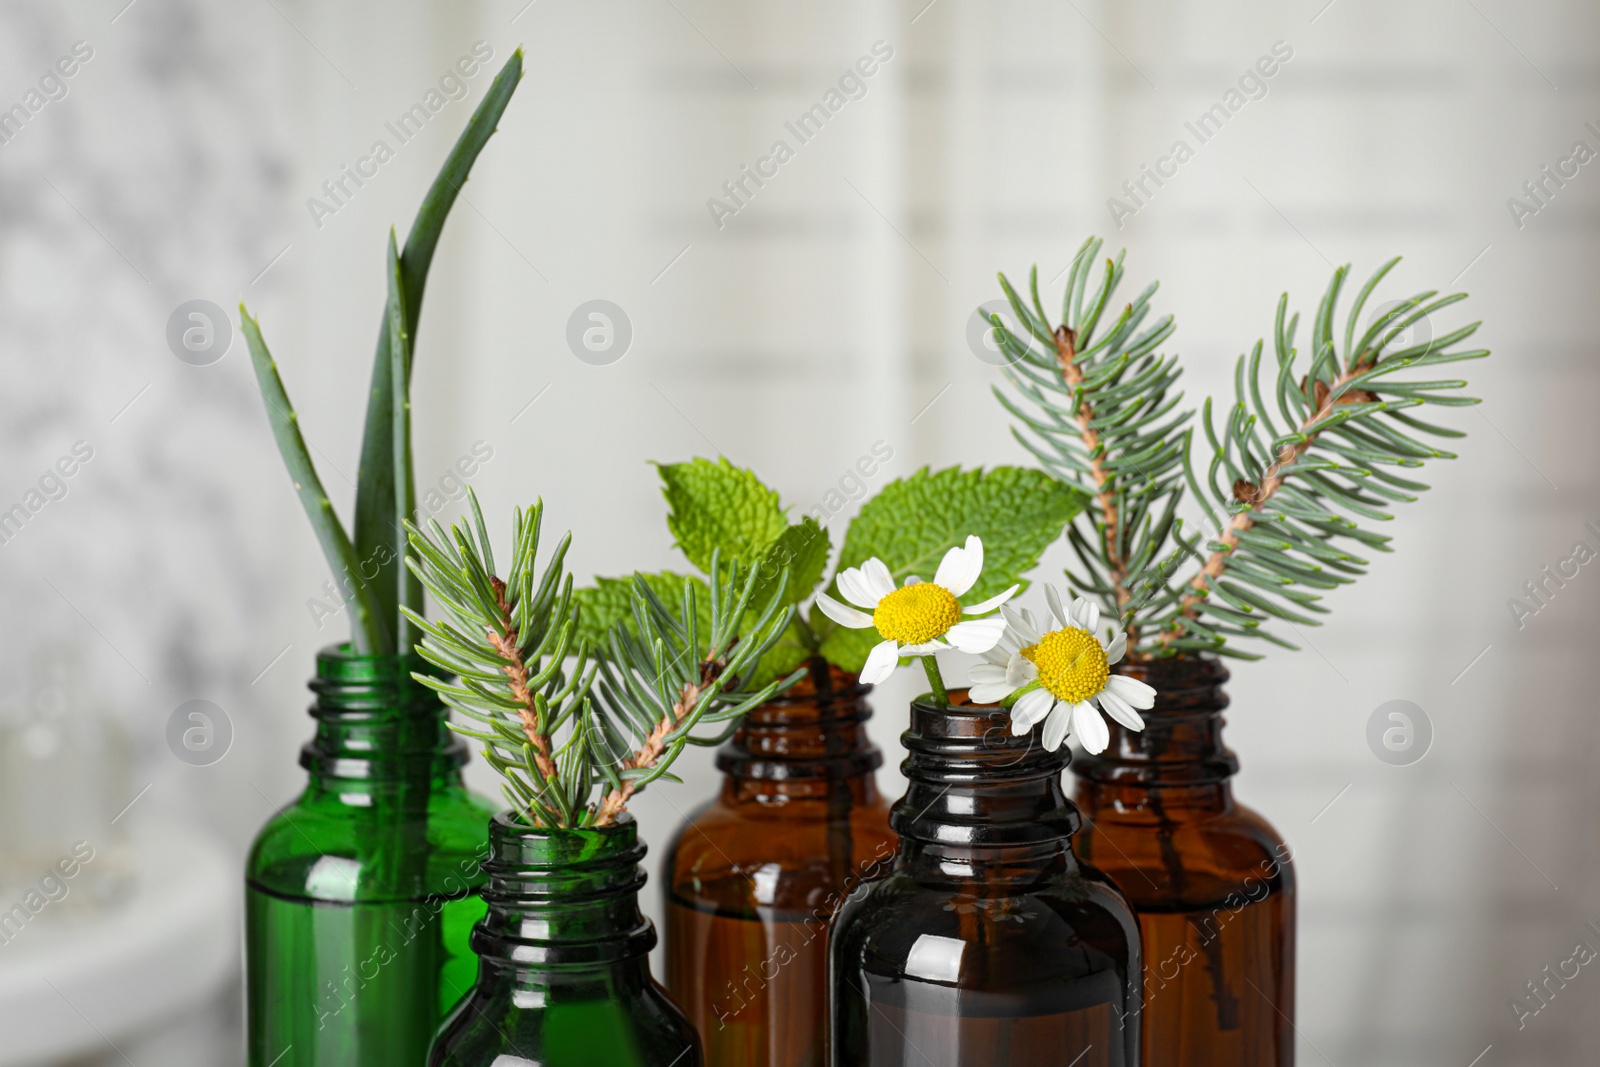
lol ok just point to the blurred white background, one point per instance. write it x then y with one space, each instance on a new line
828 313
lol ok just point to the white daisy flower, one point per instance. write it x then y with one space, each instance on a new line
1062 675
919 618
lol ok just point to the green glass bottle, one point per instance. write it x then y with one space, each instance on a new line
360 895
564 977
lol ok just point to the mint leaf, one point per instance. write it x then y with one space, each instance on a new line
719 506
610 600
802 550
791 651
914 521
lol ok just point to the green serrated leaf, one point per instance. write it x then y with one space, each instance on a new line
844 648
715 505
914 521
801 551
791 651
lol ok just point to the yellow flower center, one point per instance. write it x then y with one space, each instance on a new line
915 614
1072 665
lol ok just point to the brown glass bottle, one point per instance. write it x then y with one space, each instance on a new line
988 944
1210 879
754 877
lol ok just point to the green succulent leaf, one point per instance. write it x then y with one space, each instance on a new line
376 503
717 506
368 634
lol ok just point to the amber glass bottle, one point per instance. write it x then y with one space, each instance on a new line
754 876
1210 879
988 944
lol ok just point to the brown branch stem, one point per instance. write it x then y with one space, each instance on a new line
505 643
1258 495
615 801
1066 353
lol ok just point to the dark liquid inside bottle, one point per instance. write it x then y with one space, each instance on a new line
756 875
1210 879
988 944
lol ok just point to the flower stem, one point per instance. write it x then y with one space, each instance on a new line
941 696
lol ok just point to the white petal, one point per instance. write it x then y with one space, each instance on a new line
989 692
951 567
992 603
1087 612
879 580
912 579
1053 598
999 655
1093 733
1020 624
854 587
1117 648
927 648
960 567
976 635
986 672
1021 670
1055 727
843 614
881 662
1118 709
1029 709
1133 692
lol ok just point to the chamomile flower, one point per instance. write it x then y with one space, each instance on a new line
919 618
1062 675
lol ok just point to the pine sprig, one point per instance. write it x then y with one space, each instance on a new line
1297 477
576 733
1305 460
664 677
1099 409
507 642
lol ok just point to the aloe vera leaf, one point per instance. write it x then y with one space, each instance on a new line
376 506
369 633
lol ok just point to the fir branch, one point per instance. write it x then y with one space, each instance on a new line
1299 464
1293 498
1100 411
508 642
527 688
662 678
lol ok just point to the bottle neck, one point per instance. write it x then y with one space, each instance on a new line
1179 754
809 743
563 911
981 803
376 725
